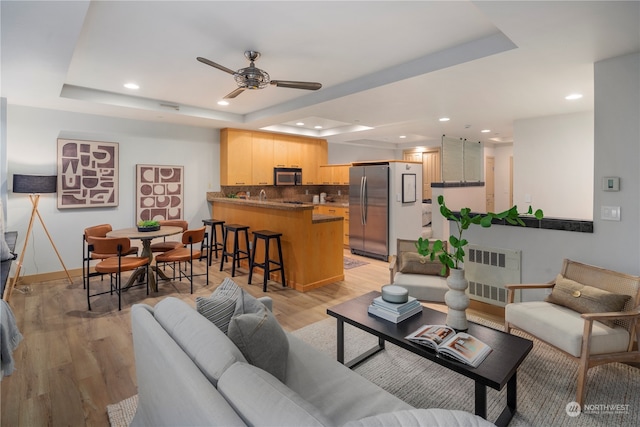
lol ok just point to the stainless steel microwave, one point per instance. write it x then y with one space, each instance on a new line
287 176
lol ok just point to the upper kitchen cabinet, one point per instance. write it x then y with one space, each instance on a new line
334 174
236 162
314 153
248 157
262 155
287 151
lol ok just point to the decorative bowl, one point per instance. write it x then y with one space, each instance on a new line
152 228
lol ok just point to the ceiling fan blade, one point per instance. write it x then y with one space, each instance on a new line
296 85
234 93
214 65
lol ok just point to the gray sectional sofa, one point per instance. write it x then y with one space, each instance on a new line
190 373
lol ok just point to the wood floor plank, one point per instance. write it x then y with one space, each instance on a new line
73 362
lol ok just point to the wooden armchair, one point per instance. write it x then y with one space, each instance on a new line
419 276
575 323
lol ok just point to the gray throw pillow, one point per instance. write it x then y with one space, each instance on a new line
221 305
259 336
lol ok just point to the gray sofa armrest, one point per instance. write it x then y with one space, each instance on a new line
267 301
171 388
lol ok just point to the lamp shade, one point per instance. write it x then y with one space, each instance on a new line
34 183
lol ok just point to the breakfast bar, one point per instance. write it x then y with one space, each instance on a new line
312 244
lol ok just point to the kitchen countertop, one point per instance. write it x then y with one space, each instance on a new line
276 204
281 205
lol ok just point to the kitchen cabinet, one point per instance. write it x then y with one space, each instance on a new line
334 174
236 163
262 158
248 157
287 151
314 153
343 211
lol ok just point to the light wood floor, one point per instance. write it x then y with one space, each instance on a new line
72 363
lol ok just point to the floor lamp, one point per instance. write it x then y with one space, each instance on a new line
34 185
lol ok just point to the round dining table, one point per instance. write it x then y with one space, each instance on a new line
145 237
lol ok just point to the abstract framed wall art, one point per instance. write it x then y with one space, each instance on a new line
87 174
159 192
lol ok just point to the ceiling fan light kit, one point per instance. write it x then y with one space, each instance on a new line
252 77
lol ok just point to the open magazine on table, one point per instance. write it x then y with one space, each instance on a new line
460 346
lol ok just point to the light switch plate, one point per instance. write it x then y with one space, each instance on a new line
610 213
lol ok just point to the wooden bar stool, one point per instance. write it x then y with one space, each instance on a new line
266 236
237 254
214 245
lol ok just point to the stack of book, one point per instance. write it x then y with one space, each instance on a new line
394 312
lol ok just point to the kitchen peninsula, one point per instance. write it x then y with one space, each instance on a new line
312 244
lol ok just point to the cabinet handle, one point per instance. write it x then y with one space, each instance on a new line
239 183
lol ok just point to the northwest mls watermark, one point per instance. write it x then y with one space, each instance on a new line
573 409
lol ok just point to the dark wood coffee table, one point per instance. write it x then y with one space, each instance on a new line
496 371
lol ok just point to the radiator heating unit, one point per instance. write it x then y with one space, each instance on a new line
488 269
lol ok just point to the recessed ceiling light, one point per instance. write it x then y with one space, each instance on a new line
403 136
300 124
485 130
223 102
573 96
317 127
131 86
444 119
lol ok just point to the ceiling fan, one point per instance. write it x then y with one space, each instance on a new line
252 77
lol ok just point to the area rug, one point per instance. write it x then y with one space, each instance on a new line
546 381
350 263
121 413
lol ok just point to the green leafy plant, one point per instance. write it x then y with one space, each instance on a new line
148 223
463 221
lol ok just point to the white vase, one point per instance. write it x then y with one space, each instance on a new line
457 300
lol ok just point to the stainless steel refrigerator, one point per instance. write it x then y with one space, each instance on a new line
369 210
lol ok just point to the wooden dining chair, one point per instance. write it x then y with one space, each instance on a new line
167 245
89 255
185 254
115 265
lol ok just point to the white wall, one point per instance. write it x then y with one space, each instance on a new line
502 154
405 219
31 148
345 153
553 165
613 245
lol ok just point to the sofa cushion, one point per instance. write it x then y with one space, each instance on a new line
198 337
586 299
260 399
259 336
414 263
562 327
338 392
423 287
220 306
422 417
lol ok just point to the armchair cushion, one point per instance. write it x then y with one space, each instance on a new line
414 263
586 299
562 327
